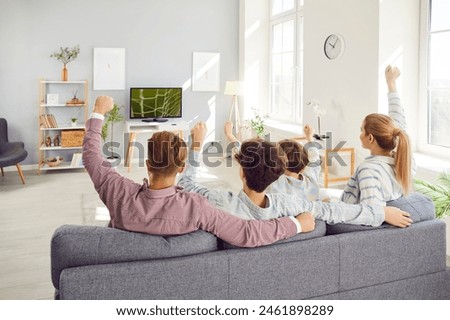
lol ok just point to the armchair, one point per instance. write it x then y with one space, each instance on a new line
11 153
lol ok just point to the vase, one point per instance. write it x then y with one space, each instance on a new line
64 74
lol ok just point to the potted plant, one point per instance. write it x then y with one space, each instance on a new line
66 55
257 125
74 121
110 118
439 193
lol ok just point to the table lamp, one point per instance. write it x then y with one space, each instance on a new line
235 89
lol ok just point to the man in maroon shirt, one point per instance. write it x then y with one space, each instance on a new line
160 207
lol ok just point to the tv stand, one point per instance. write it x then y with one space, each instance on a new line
155 120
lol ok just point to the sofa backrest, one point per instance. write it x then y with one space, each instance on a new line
74 246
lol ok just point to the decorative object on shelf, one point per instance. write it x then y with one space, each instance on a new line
318 112
48 141
110 118
54 161
439 193
56 141
74 121
52 99
66 55
235 89
333 46
72 138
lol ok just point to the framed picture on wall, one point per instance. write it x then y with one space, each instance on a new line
109 69
206 71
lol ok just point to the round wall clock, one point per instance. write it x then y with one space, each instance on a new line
333 46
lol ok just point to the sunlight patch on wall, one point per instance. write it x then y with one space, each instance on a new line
252 29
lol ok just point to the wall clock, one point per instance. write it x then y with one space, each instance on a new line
333 46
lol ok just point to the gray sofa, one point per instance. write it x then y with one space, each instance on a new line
332 262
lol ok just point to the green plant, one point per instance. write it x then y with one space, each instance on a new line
439 193
66 55
74 119
110 118
257 124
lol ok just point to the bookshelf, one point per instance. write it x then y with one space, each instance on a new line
59 102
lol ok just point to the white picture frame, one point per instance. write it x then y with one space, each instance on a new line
109 69
206 71
52 99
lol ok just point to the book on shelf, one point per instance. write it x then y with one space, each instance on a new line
48 121
77 160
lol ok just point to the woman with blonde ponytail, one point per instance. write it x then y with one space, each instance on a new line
386 174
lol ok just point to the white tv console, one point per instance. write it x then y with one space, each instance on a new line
136 126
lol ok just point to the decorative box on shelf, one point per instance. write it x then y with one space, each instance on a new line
72 138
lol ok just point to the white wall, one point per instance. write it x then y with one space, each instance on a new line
376 33
159 37
399 46
254 55
347 86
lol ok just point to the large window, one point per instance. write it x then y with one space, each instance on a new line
286 26
438 77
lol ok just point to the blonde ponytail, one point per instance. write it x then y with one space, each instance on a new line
403 162
390 138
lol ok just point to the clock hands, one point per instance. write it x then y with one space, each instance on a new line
334 44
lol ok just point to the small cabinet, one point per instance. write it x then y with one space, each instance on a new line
59 137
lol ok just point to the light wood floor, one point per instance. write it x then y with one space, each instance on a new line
30 213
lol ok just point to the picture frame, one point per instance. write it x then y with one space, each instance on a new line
109 69
52 99
206 71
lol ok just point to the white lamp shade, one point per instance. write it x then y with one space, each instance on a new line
234 88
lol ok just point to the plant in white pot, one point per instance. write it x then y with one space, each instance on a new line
74 121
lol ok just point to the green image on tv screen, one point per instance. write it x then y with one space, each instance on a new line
155 102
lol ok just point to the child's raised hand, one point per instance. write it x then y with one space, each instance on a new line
198 134
391 73
309 132
228 127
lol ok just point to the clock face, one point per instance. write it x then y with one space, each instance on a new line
333 46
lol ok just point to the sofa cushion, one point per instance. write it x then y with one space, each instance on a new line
292 271
420 207
74 246
390 254
319 231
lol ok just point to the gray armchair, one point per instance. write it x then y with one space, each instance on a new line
11 153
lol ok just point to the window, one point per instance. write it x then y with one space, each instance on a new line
437 78
286 26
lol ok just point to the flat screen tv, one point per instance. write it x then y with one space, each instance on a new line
155 104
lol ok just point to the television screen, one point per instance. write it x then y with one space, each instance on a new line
155 103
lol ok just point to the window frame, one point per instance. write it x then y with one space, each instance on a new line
423 143
296 15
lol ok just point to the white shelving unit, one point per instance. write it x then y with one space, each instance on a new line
55 99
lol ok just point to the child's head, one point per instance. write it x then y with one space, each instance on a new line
167 154
382 130
296 155
262 163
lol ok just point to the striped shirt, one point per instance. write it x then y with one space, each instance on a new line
374 181
279 204
307 187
